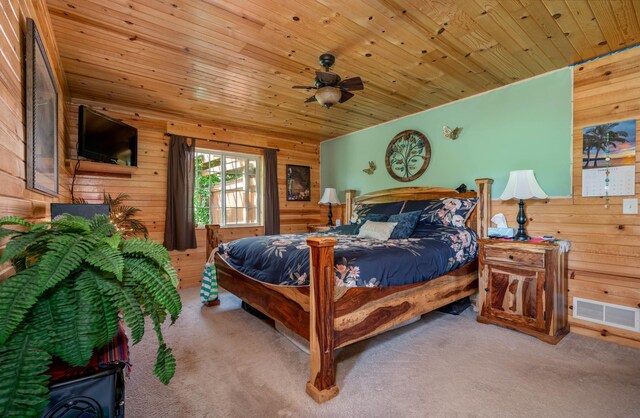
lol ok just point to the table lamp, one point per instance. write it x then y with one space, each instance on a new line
522 185
330 197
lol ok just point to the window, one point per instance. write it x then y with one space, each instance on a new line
227 188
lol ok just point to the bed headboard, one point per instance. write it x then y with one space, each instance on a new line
479 219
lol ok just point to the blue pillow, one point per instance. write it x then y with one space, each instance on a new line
374 217
407 222
344 229
360 210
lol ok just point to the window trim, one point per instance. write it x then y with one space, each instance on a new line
223 184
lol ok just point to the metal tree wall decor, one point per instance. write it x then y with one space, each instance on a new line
408 155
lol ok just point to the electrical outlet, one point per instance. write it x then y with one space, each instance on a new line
630 206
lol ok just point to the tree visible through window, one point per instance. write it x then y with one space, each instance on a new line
227 188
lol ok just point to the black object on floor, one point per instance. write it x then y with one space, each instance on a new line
253 311
457 307
100 395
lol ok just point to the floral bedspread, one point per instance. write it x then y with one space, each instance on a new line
432 251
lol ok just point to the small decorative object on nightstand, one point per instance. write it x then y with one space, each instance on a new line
522 185
318 228
523 286
330 197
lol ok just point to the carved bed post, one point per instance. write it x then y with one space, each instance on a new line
322 381
484 206
349 196
213 239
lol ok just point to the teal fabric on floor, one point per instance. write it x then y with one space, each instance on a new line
209 287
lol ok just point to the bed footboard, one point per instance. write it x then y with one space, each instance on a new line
322 381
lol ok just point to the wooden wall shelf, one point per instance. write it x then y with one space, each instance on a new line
105 169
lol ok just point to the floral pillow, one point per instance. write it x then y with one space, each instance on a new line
448 211
360 210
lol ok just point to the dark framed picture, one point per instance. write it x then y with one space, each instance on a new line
298 183
41 104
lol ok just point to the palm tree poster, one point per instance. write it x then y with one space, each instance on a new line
609 159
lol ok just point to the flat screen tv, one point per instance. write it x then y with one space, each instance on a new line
101 138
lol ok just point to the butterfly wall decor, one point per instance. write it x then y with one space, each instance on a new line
371 169
451 133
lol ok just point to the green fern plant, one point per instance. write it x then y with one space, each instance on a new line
73 278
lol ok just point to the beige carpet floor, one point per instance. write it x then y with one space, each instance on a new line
231 364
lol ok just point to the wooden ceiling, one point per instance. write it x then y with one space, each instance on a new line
233 62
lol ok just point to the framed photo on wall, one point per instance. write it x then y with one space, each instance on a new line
609 159
41 104
298 183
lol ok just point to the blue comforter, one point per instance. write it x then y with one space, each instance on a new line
433 250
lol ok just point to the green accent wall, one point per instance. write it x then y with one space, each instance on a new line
523 126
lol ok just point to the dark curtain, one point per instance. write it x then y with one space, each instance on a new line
271 203
179 229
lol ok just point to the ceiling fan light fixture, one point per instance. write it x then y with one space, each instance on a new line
328 96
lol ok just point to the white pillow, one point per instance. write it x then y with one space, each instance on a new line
377 230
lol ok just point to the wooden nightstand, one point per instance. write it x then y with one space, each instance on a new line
318 228
523 286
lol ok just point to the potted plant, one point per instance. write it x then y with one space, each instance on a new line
73 278
121 215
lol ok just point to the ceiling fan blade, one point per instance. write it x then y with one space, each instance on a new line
352 84
328 79
345 96
310 99
303 87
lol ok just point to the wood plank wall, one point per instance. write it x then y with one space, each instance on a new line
604 262
15 199
147 186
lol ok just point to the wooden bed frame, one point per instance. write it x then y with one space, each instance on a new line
332 317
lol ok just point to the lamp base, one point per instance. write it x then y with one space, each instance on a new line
330 220
521 235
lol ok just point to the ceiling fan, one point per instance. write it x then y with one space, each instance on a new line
331 89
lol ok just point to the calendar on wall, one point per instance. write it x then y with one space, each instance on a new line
609 159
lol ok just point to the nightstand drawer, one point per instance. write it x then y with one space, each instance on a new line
515 257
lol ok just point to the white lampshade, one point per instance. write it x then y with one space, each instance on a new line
330 196
522 184
328 96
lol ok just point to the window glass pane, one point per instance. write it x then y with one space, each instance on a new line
215 187
201 189
252 216
231 216
240 196
206 199
252 191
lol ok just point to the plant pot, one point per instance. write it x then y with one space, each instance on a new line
98 395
